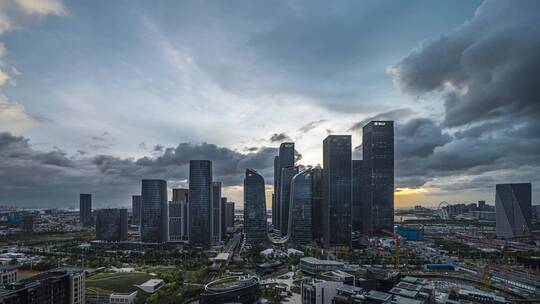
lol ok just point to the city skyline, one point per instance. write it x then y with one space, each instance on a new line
100 118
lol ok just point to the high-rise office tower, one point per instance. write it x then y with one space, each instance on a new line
154 211
229 216
254 209
357 214
181 195
378 154
85 209
136 207
316 201
275 207
513 209
177 218
112 225
286 159
216 212
223 216
337 159
200 202
301 209
287 175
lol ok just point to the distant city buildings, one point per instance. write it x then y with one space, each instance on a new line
154 211
513 207
378 163
337 159
200 202
300 208
254 209
85 209
216 212
27 223
112 225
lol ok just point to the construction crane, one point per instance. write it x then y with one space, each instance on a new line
397 244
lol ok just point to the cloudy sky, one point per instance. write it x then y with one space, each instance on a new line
96 95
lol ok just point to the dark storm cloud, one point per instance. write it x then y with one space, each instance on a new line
419 137
487 73
279 137
488 68
40 178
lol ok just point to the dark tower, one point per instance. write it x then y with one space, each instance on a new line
337 159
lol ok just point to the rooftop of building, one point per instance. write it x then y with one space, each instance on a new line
312 260
378 296
8 267
231 283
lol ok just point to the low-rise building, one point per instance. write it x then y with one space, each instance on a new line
314 266
315 291
122 298
8 274
58 286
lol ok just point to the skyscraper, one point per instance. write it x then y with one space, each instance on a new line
223 216
85 209
357 214
287 175
300 208
216 212
181 195
317 201
286 159
229 216
177 218
513 209
154 211
275 207
136 207
337 158
254 209
112 225
378 154
200 202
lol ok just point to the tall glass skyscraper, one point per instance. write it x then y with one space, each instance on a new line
513 207
254 209
200 202
112 225
154 211
317 201
357 213
216 212
181 195
378 154
85 209
286 159
287 175
136 207
337 159
223 216
300 208
275 207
